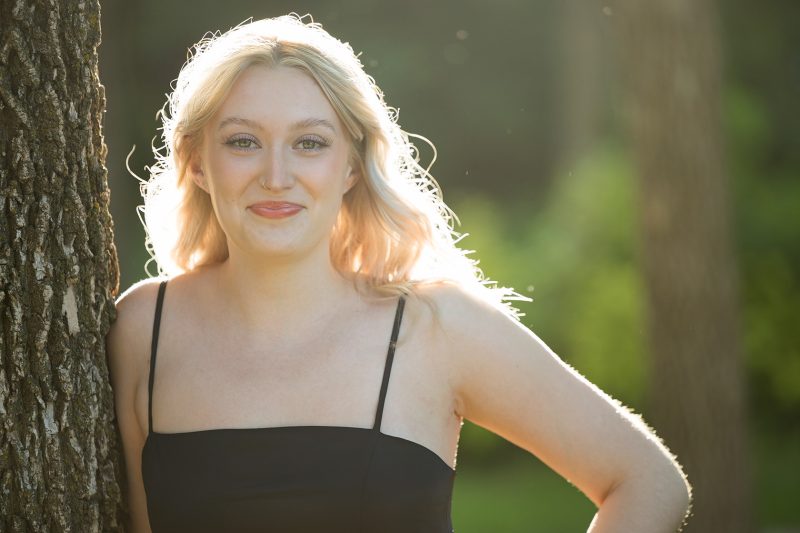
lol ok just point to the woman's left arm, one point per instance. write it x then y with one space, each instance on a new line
508 381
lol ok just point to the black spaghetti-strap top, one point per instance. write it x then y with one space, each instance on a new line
294 479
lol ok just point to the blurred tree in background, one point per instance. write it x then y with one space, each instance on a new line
672 57
527 104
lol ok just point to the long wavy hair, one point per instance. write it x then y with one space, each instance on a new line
393 231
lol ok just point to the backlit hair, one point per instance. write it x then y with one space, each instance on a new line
393 231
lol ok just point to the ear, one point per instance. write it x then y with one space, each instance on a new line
196 171
352 179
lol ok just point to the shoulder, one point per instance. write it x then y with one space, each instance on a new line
139 295
129 337
473 333
136 307
463 314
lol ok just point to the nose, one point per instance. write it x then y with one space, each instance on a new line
275 172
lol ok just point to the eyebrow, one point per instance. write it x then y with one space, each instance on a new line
305 123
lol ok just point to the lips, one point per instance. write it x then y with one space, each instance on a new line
275 209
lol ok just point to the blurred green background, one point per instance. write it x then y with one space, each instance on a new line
523 102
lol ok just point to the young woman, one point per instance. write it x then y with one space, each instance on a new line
317 335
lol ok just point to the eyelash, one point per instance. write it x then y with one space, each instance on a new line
321 142
233 140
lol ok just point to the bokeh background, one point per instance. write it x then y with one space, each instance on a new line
525 104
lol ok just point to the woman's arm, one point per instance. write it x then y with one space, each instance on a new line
508 381
649 503
128 357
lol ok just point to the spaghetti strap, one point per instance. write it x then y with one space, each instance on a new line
398 317
156 326
293 479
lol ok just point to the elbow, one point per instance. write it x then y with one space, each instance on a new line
683 496
679 487
662 487
674 493
672 487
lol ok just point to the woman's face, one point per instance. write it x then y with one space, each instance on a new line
274 161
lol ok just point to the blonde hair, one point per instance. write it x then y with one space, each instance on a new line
393 231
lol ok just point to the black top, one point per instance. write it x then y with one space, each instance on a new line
295 478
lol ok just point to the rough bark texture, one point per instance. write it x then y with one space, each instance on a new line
60 466
671 50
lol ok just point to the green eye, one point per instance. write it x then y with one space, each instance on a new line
312 144
243 143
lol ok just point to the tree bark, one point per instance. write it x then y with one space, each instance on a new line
671 54
60 465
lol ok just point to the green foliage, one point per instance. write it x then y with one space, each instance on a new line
777 460
773 350
768 242
525 496
576 258
524 492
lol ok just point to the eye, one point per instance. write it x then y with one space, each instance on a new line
312 144
242 143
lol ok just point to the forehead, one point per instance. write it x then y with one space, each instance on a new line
276 95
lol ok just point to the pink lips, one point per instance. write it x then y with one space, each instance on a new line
275 209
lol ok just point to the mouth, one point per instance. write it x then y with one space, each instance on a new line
275 209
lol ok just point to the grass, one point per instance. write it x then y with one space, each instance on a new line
524 495
777 479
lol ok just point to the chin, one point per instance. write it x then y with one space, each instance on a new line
280 244
278 250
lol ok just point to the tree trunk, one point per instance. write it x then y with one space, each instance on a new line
671 53
60 465
582 81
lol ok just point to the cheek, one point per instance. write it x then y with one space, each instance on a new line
229 174
328 176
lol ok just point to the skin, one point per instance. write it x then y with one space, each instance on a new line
274 336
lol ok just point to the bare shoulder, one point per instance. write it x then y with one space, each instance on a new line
468 329
457 308
136 307
129 336
463 316
139 290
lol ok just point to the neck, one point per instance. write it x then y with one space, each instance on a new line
282 294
